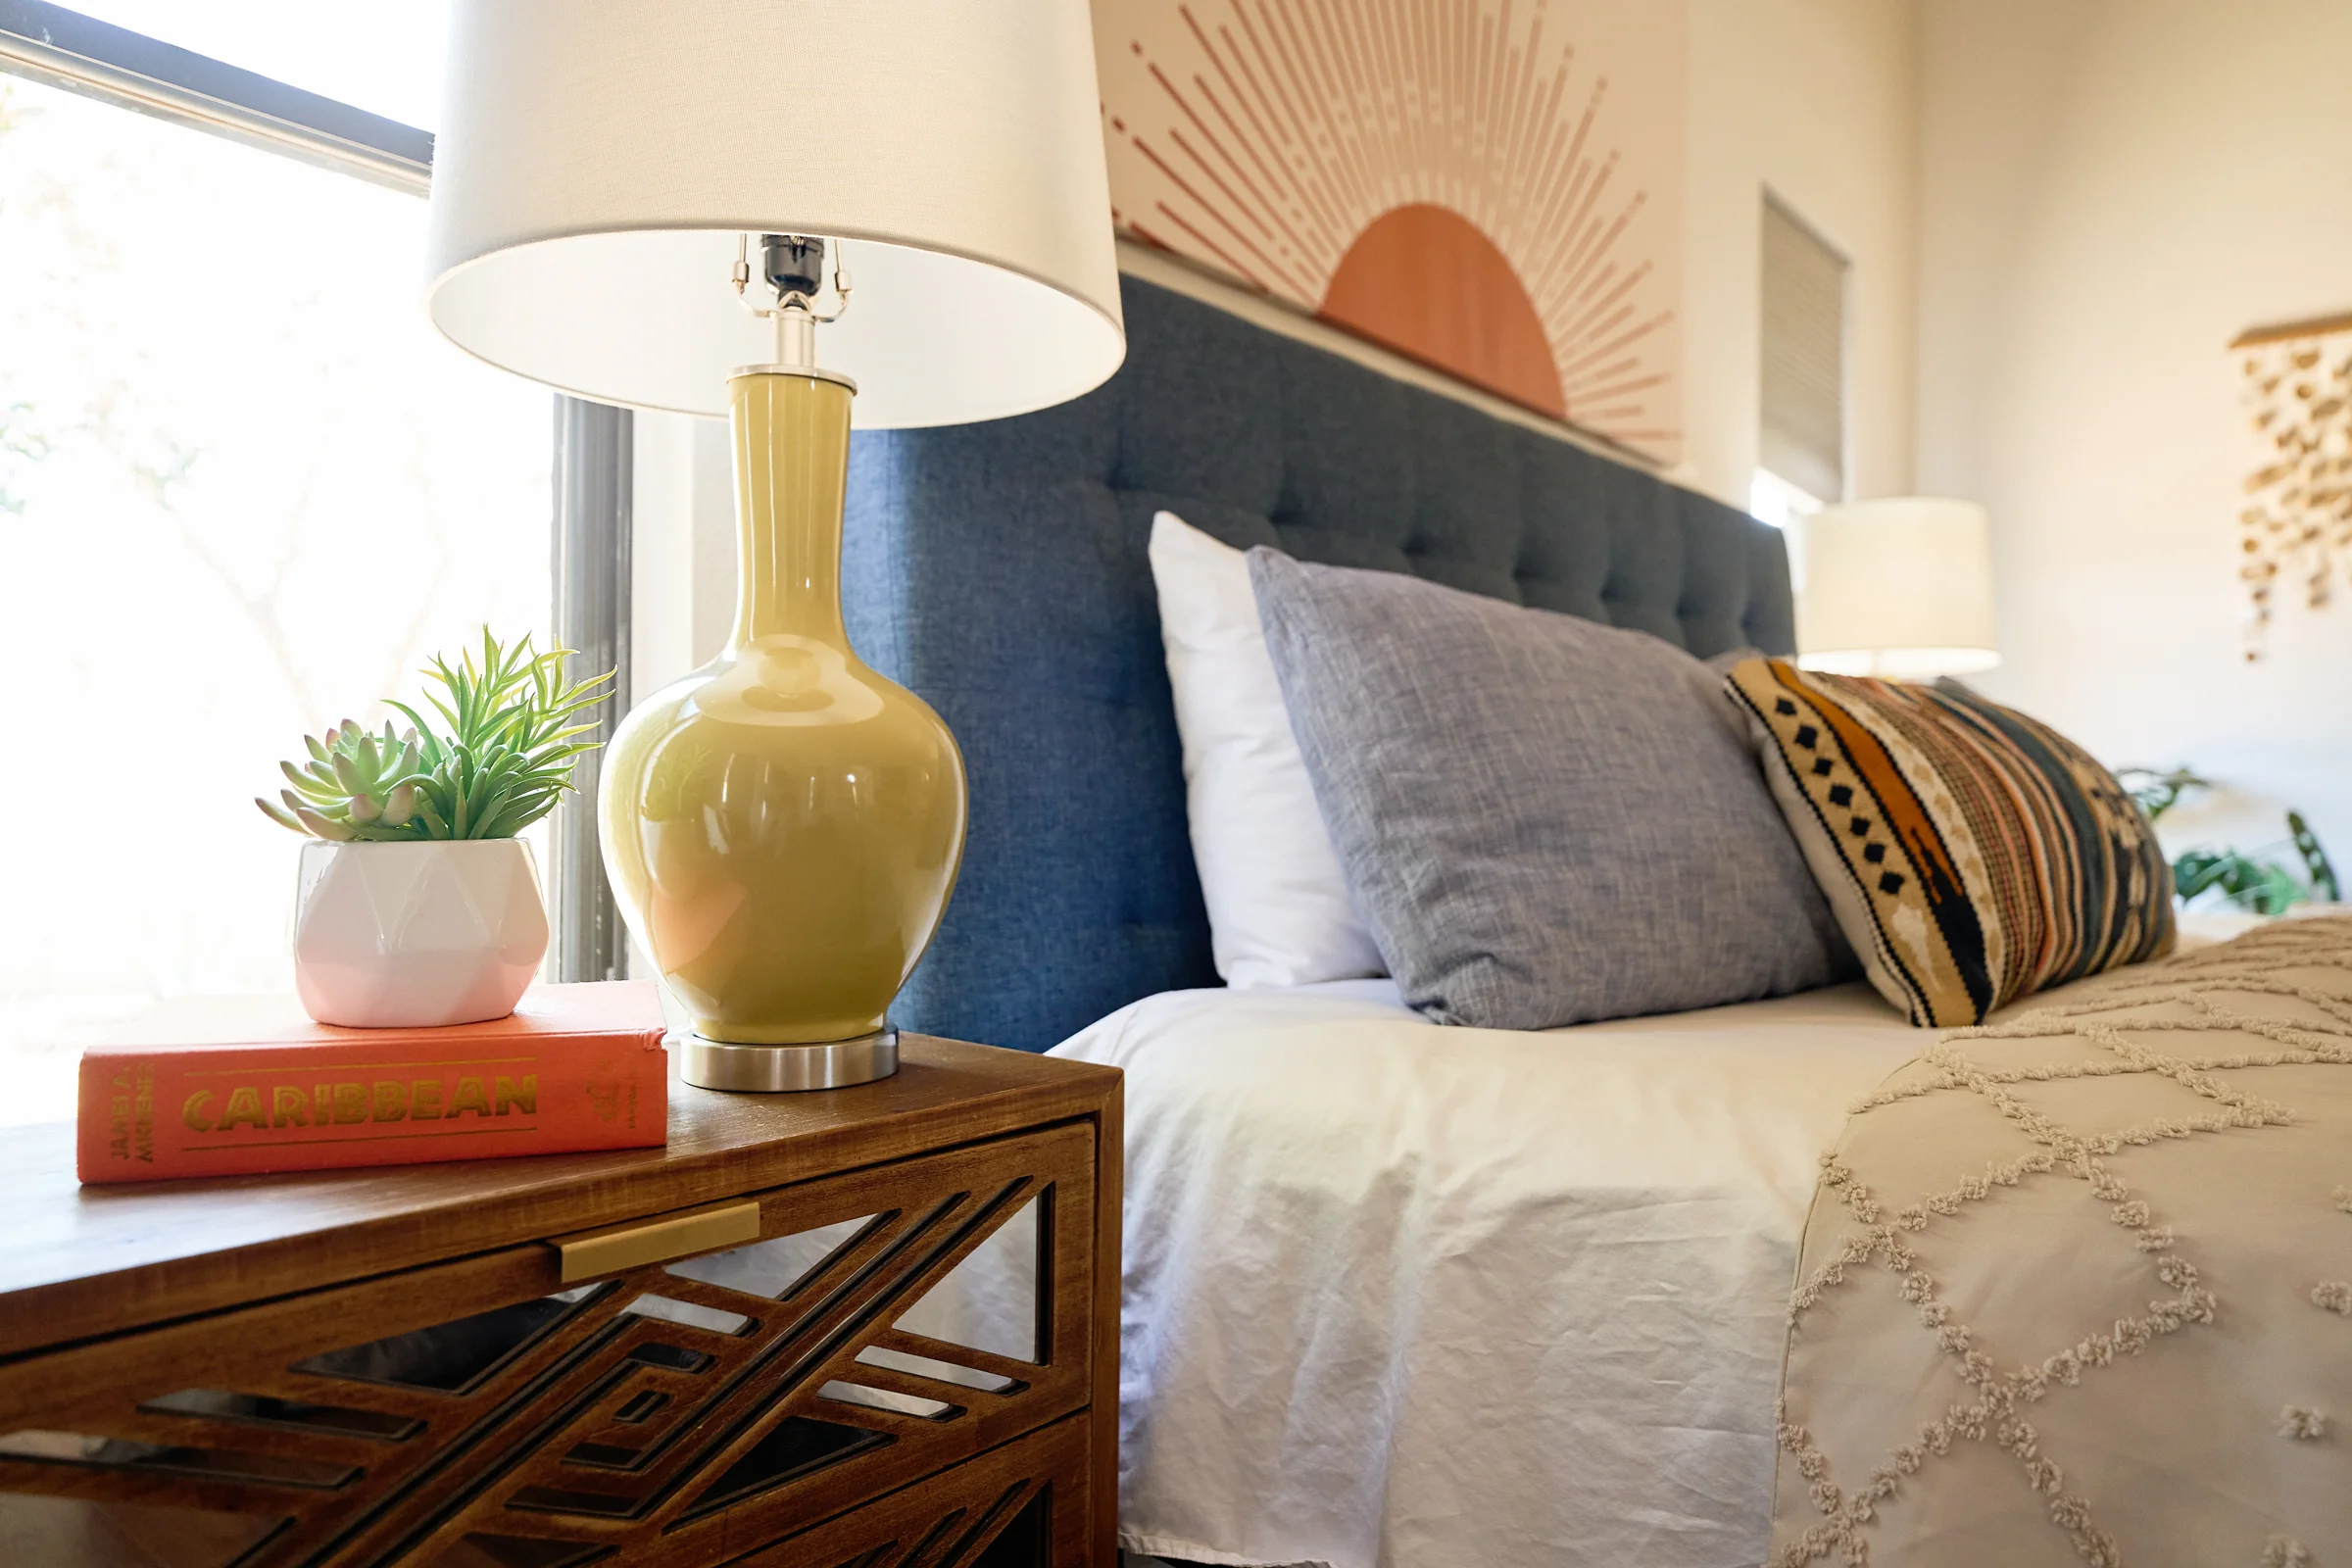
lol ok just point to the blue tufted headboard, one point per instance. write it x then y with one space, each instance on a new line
999 569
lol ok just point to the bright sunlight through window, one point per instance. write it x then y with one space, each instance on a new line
245 490
1774 500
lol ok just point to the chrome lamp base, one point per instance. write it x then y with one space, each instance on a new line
782 1070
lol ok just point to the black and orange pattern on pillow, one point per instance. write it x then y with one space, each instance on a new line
1972 855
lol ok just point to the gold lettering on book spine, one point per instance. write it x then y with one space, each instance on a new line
328 1104
131 1113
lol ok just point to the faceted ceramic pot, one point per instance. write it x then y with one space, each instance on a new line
782 826
416 935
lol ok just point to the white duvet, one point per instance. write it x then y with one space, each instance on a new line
1437 1298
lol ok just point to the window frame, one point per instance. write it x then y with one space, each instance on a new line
595 482
61 48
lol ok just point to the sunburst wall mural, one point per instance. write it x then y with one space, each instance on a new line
1492 187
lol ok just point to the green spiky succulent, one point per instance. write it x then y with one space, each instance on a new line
499 762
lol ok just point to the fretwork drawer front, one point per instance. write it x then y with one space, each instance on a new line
1024 1505
894 1367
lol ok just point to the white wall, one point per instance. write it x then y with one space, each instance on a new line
1815 100
2111 189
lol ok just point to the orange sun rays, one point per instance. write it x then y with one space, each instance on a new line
1277 133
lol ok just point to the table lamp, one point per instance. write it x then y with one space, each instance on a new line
751 209
1900 588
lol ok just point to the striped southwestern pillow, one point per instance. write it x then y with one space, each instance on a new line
1972 855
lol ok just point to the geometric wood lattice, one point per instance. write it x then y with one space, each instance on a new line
774 1400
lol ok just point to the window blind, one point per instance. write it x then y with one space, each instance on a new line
1802 438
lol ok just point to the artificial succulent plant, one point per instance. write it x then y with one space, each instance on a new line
500 760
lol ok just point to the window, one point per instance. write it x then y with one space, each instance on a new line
385 59
245 489
1801 434
1774 500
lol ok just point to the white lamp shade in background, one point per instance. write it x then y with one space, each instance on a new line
1900 588
597 158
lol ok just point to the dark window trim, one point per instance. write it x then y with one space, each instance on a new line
63 48
595 475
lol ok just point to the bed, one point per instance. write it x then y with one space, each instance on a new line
1426 1296
1478 1297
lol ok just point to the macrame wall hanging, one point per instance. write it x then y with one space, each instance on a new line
2295 529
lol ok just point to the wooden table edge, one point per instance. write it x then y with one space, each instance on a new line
590 1190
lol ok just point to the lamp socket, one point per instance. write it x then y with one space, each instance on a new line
793 263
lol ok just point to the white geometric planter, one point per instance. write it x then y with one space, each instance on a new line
416 935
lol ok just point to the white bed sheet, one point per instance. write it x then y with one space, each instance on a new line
1429 1297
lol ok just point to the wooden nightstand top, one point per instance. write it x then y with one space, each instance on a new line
76 1262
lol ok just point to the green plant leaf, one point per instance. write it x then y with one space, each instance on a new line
498 760
2159 792
2315 865
2245 883
323 826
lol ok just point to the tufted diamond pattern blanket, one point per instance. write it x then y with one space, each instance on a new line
2076 1284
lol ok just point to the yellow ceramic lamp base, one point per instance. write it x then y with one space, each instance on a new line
782 827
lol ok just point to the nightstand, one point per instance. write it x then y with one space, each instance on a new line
875 1326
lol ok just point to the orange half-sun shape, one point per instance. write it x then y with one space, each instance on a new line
1423 281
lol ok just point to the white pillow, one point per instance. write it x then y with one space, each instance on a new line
1279 912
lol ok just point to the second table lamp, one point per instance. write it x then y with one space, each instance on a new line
750 208
1900 588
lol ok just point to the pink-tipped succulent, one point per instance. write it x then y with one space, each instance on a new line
358 785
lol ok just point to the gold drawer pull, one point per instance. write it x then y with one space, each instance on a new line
609 1251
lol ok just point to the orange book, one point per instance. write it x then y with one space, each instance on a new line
230 1086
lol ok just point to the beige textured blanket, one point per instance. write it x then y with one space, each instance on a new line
2076 1285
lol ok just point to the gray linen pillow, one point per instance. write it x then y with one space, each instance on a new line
1543 821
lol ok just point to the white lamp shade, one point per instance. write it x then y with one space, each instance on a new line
1900 588
598 159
